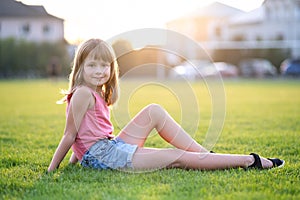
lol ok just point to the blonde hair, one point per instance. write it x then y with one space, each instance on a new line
98 49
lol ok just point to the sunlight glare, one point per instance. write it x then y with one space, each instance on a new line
101 18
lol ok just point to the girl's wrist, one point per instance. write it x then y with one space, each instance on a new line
49 170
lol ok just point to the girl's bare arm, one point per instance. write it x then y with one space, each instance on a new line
79 104
73 159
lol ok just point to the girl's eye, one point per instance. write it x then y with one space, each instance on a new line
106 64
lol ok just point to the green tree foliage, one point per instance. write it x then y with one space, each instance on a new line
20 58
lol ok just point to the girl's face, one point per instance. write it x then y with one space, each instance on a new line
95 72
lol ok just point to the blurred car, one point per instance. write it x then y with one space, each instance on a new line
283 65
257 67
191 70
226 69
290 67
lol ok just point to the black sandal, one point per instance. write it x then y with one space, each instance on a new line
257 162
277 162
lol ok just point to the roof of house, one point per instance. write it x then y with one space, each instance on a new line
215 9
254 16
12 8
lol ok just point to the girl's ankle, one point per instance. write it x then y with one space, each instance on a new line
249 161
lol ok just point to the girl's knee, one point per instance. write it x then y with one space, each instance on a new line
157 116
154 106
155 109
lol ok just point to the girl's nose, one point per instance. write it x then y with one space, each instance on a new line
99 69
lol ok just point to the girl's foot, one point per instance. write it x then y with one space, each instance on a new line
262 163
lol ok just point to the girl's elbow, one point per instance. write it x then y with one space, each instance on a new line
70 135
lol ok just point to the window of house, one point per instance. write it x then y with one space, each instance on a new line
218 31
258 38
239 37
46 29
26 29
279 37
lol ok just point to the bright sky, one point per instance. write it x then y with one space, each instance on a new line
107 18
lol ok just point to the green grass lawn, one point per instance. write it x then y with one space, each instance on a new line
262 116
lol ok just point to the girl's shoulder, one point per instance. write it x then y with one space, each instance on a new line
83 91
83 96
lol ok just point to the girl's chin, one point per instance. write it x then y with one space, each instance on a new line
99 83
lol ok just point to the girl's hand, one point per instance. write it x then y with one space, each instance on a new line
73 159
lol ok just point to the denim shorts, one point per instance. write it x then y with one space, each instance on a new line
109 154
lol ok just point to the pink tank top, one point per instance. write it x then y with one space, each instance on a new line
95 125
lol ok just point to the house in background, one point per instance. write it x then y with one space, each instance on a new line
273 25
31 23
197 26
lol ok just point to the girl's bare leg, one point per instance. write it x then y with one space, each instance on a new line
151 159
155 117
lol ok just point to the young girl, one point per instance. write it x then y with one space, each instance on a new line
93 87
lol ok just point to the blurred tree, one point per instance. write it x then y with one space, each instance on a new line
20 58
121 47
125 55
